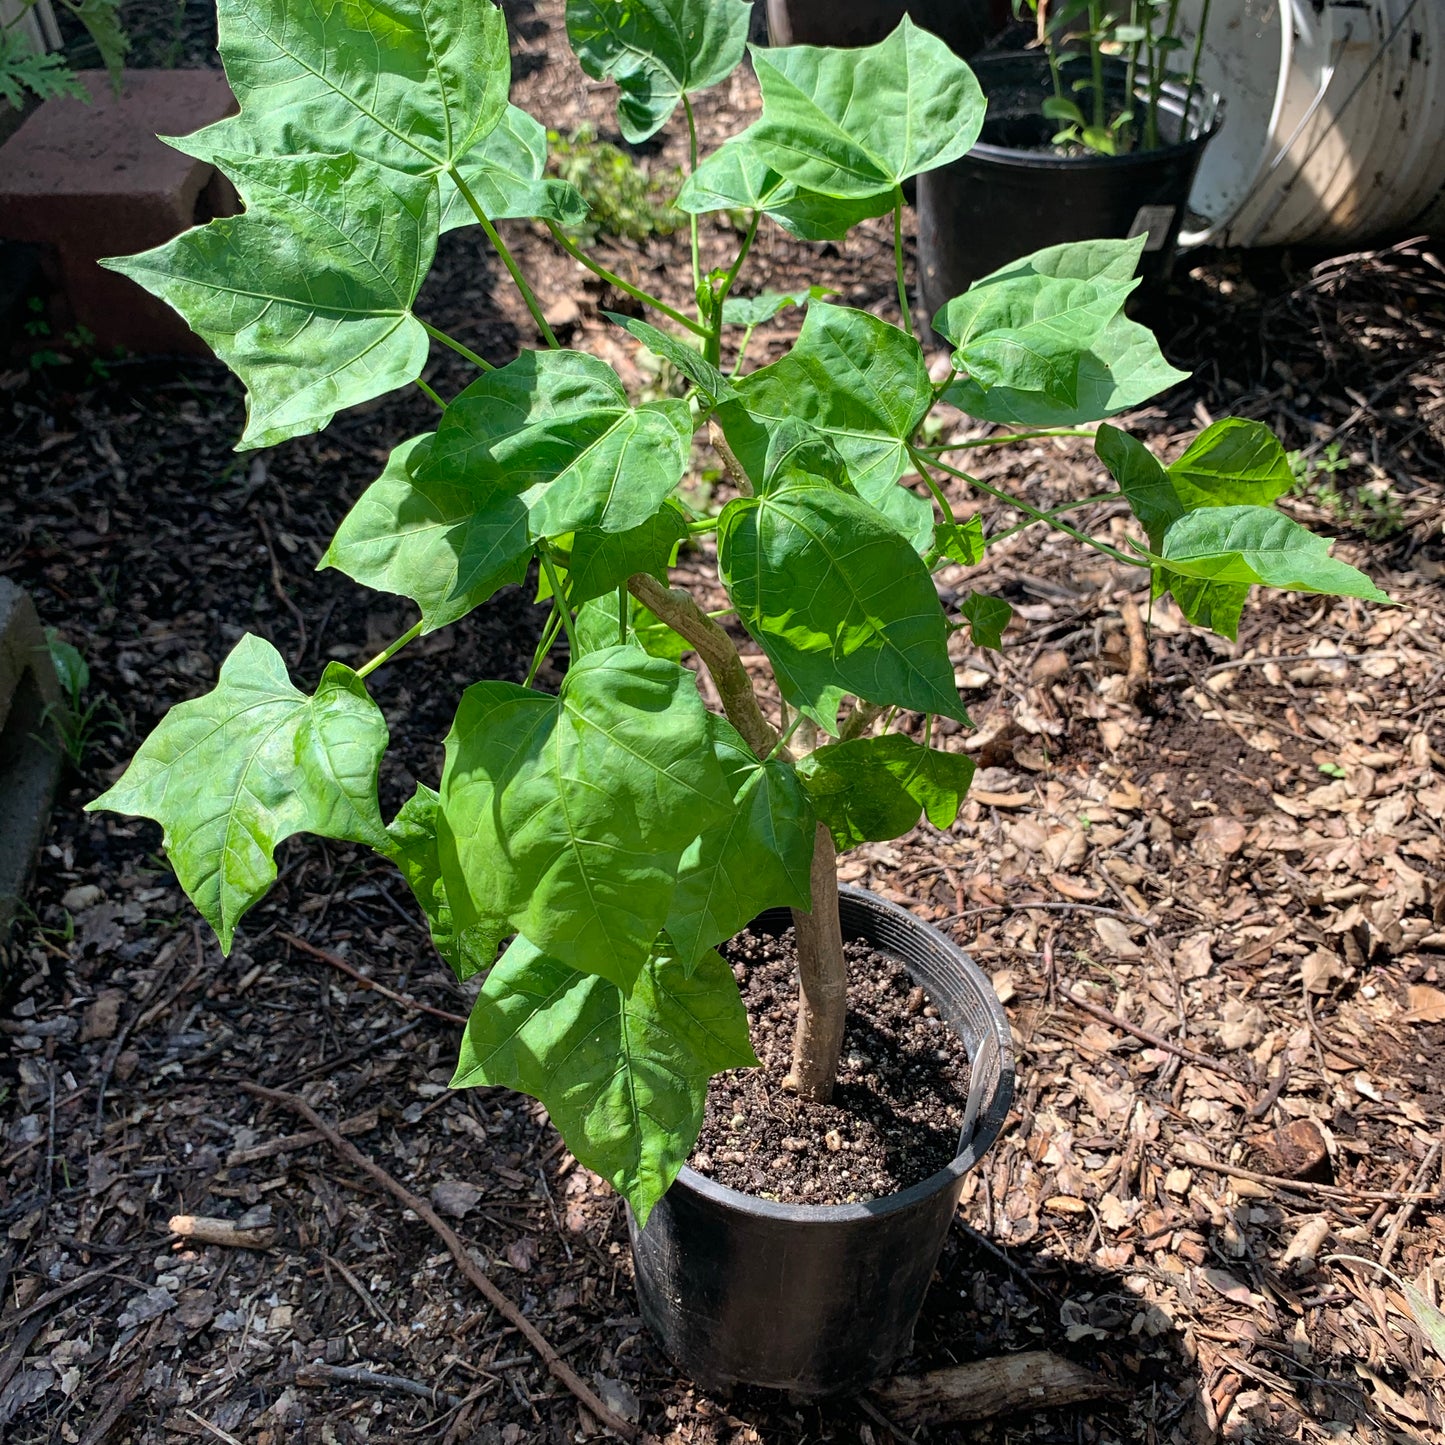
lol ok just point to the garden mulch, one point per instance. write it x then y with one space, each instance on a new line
1213 902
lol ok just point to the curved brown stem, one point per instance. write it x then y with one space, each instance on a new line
715 647
822 981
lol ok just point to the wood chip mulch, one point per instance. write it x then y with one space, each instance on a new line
1213 902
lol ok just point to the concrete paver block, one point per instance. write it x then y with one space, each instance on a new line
92 180
29 753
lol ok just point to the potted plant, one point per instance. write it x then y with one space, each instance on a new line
1096 130
618 832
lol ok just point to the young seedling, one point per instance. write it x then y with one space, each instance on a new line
618 831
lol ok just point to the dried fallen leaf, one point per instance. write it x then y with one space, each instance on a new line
1303 1250
1427 1005
1114 935
454 1198
1219 838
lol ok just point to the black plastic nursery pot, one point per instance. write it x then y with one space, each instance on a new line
1013 193
963 25
822 1299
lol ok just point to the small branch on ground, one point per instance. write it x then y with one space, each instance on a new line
1136 679
207 1229
336 961
1202 1061
558 1367
1034 1380
318 1376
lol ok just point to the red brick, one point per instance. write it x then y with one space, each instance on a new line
92 180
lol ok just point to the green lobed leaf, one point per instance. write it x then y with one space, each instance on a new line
506 173
1029 327
657 51
230 775
868 790
1118 366
555 430
1231 462
758 858
413 85
307 296
1243 544
603 561
734 178
988 617
413 835
714 386
837 599
854 123
755 310
448 545
864 385
623 1077
564 818
961 542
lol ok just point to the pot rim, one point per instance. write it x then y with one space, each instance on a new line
986 1129
1210 106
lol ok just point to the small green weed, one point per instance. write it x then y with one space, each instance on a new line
622 198
1371 508
77 724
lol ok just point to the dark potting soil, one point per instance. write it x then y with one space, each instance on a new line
897 1109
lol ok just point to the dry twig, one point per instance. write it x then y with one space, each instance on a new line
336 961
558 1367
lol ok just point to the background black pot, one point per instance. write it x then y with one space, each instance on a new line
963 25
820 1299
1013 194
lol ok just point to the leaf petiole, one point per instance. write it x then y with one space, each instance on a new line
451 341
563 610
898 258
626 287
390 650
427 391
500 246
550 630
1054 512
1034 512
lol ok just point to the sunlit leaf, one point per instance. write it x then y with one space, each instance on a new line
657 51
410 84
565 818
855 123
623 1077
838 600
307 296
757 858
229 775
448 545
873 789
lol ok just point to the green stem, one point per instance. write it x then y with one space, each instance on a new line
1131 79
1096 63
544 643
1052 513
707 524
626 287
564 611
743 348
429 392
1194 64
1040 516
692 219
783 741
622 615
456 346
390 651
513 270
898 258
1156 85
712 349
1003 440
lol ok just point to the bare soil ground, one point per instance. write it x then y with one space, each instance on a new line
1215 909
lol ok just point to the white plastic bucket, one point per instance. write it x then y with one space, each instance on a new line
1334 126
